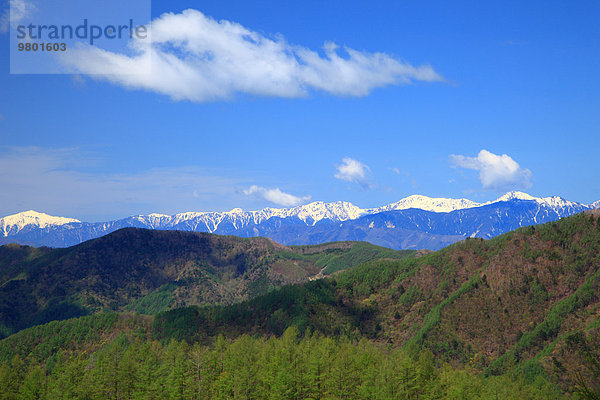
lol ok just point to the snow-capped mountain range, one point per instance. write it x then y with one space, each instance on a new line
314 222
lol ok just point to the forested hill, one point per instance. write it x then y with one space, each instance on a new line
110 356
476 301
514 317
151 270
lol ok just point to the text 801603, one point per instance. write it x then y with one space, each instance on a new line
42 46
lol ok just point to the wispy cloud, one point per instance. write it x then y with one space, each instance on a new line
496 172
194 57
352 170
406 175
276 196
16 11
58 181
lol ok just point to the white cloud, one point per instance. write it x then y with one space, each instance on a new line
352 170
495 172
194 57
276 196
16 11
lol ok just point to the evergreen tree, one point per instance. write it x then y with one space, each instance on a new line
34 384
11 377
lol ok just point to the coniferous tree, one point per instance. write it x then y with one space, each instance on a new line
11 377
34 384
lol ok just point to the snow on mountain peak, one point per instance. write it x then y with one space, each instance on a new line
555 202
429 204
314 212
514 195
310 213
153 220
14 223
157 215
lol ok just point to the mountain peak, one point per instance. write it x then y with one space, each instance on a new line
560 205
14 223
42 217
429 204
158 215
29 213
318 210
514 195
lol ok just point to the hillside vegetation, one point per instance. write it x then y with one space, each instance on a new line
514 317
148 271
129 364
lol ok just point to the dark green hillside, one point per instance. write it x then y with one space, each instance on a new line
13 257
149 271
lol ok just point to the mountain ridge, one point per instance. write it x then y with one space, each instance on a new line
287 225
150 270
313 211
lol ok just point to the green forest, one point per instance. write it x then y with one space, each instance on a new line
293 366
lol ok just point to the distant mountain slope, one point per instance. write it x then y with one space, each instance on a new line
417 229
413 222
151 270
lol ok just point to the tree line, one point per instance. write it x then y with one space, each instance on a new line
292 366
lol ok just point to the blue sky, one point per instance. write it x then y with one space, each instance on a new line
519 79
